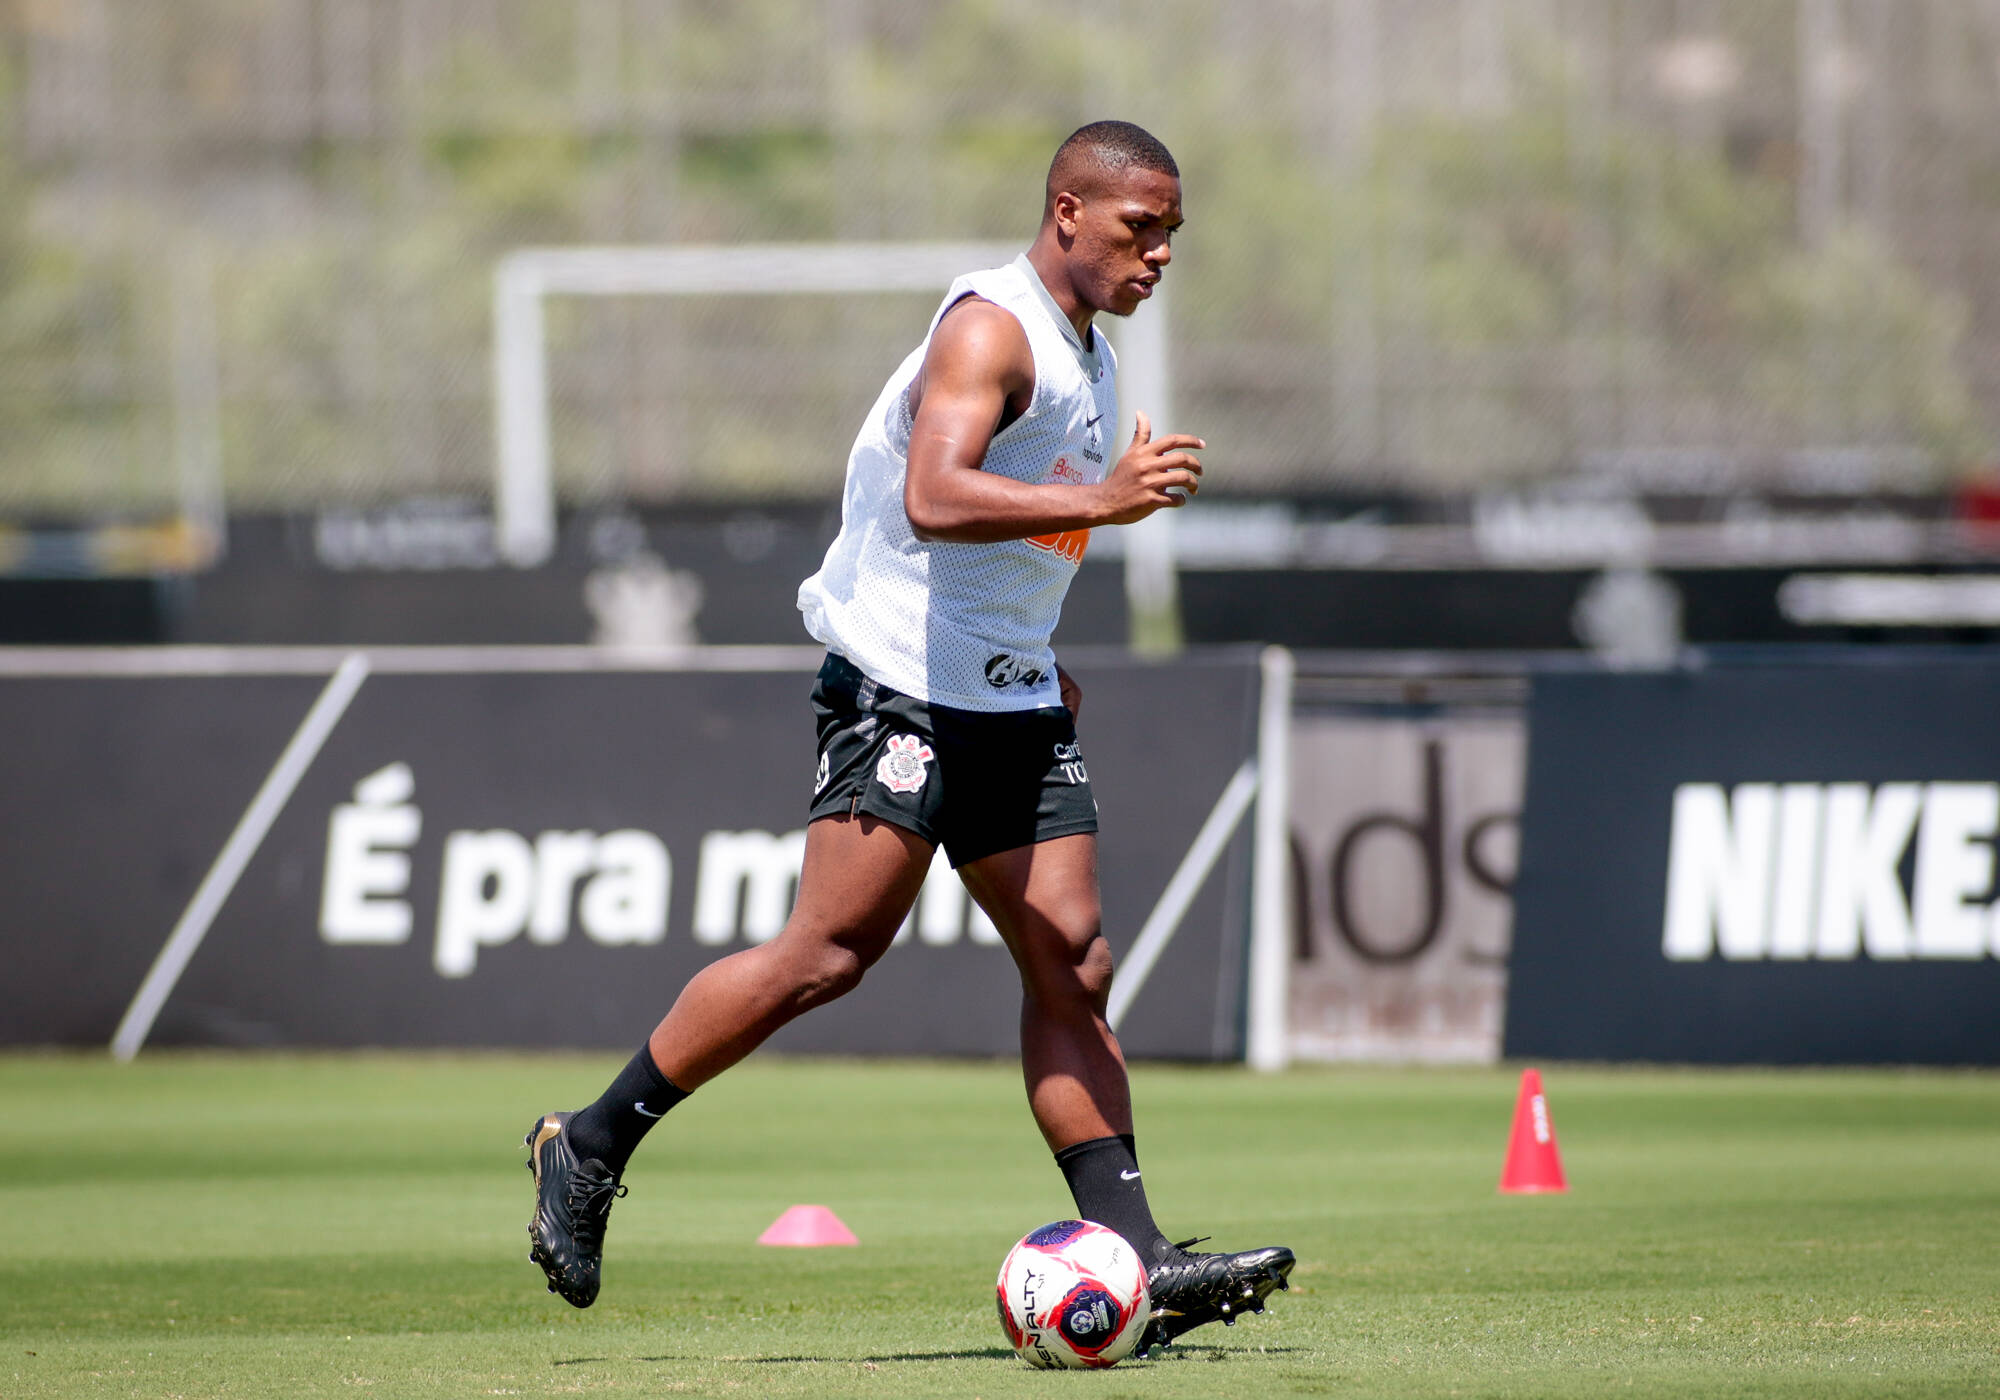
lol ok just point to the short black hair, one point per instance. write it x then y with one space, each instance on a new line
1106 148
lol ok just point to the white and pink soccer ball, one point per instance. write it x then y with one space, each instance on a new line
1073 1295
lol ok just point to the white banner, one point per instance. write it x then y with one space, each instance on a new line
1404 844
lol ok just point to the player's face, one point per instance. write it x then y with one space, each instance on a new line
1122 241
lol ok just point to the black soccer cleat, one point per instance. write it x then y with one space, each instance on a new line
572 1204
1191 1290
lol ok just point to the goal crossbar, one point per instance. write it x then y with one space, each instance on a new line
524 494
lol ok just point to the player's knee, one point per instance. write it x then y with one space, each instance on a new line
1093 971
1077 979
830 972
1082 929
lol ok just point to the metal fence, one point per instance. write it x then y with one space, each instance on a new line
246 246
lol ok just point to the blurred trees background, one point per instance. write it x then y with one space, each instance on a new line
1433 245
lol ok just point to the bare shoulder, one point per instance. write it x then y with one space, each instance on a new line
977 340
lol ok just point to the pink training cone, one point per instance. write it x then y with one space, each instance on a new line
1533 1163
808 1225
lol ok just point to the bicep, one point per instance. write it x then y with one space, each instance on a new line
978 359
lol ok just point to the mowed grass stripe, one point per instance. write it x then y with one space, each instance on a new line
208 1225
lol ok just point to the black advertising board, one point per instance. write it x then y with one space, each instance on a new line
485 852
1762 864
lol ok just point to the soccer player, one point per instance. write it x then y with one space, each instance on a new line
971 493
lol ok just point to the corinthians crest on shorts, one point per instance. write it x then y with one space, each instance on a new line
904 766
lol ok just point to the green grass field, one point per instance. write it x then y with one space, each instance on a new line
342 1225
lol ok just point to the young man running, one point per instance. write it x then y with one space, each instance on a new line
943 720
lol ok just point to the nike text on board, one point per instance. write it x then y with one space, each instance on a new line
1814 870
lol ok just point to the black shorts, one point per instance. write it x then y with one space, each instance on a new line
972 782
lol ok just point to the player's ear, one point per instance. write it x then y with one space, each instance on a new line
1068 211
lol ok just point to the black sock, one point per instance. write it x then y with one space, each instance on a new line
610 1128
1103 1176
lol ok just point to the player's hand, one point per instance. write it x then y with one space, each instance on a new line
1072 693
1154 473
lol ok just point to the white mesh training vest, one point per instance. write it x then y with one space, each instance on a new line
967 625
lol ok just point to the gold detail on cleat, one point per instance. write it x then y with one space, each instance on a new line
549 1127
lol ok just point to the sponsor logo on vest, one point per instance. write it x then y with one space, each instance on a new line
1003 670
1070 544
1788 871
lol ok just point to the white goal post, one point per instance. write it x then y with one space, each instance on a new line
524 484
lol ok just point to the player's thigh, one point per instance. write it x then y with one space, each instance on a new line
1044 900
860 877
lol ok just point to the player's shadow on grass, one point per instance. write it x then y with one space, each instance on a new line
1182 1352
964 1354
968 1354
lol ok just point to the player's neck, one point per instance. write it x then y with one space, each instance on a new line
1047 260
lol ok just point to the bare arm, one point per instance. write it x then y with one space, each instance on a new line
978 364
1072 693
